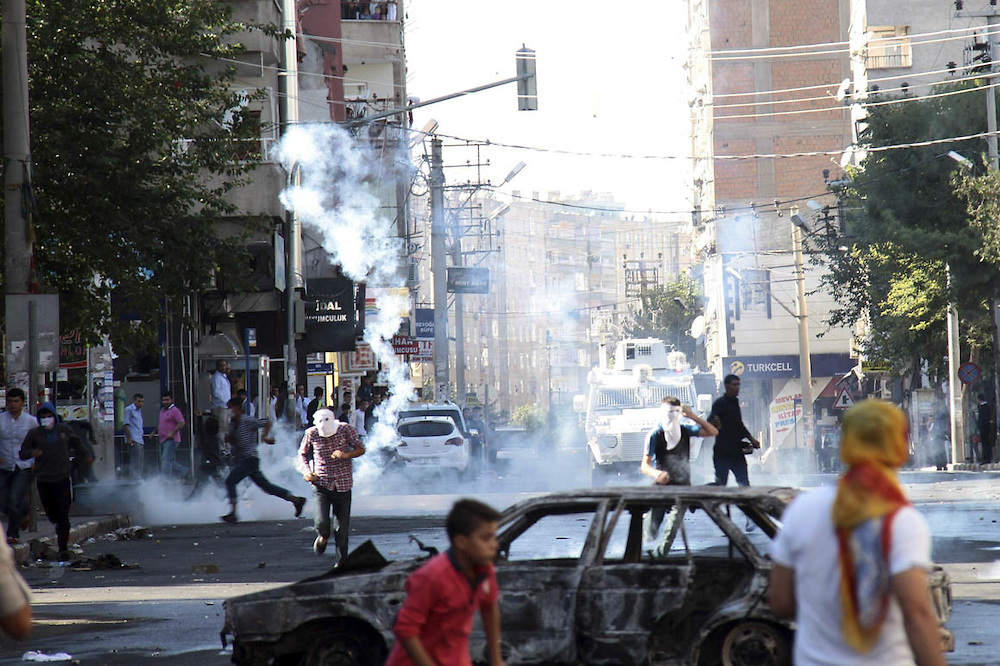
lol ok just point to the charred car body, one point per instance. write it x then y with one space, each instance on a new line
581 583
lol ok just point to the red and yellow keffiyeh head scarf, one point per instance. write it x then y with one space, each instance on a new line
874 445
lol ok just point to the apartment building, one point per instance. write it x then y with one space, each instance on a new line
767 136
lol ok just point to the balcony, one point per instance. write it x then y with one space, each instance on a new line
356 10
889 60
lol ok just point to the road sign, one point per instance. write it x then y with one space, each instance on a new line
844 399
969 373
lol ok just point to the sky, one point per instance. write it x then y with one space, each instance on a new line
610 80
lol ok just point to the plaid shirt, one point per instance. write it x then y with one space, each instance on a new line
334 473
242 437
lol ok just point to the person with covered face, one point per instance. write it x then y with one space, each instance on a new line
851 561
326 457
51 445
668 459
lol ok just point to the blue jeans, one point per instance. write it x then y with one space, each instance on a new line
168 463
251 467
14 485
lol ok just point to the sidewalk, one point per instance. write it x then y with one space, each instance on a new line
81 529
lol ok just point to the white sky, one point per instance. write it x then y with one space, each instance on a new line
610 79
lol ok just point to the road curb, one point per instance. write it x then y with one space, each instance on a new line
77 533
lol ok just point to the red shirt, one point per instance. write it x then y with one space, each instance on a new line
335 474
439 608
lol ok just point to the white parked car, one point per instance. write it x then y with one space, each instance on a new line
433 441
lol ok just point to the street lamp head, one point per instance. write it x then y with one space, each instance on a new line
964 161
513 172
429 127
798 221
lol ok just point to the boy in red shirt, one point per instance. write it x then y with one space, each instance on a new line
435 622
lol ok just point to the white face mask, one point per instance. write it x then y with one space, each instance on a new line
48 421
325 422
672 425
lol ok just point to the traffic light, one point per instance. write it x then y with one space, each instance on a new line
527 84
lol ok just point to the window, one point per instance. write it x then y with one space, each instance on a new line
889 47
552 537
426 429
755 290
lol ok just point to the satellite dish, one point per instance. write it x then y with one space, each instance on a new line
844 90
698 326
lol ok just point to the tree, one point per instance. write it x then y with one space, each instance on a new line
137 137
667 313
910 247
529 417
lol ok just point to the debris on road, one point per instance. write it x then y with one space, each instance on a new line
205 568
130 533
34 655
101 562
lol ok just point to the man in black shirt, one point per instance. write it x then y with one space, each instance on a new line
728 455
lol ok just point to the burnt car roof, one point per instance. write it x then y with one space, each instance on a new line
777 497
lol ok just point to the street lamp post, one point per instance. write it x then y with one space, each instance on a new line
805 362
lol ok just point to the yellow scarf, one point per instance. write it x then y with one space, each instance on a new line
874 445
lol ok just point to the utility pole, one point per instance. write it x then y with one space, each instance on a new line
17 170
439 271
992 16
460 388
293 225
805 362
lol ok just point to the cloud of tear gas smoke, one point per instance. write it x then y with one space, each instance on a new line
336 197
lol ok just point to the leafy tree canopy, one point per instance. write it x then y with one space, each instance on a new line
667 313
138 133
910 244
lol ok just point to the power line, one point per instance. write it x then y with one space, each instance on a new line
766 54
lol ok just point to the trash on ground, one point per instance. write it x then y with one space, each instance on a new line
101 562
205 568
130 533
34 655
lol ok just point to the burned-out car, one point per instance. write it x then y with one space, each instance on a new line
586 577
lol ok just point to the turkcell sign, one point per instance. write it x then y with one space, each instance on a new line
786 366
468 280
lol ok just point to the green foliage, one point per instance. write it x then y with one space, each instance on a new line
137 136
910 246
529 417
667 313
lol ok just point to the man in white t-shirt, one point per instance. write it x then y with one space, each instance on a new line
883 615
358 420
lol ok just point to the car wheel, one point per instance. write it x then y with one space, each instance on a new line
756 644
339 649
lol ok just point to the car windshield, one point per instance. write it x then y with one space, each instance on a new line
425 429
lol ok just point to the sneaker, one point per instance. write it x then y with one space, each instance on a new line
230 518
64 556
319 545
299 502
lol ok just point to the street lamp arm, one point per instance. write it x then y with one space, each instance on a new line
445 98
785 307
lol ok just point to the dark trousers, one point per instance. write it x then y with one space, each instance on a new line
56 498
14 486
340 503
731 462
251 467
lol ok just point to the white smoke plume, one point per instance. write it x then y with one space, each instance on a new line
336 196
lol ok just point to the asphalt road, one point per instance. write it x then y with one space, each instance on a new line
169 609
